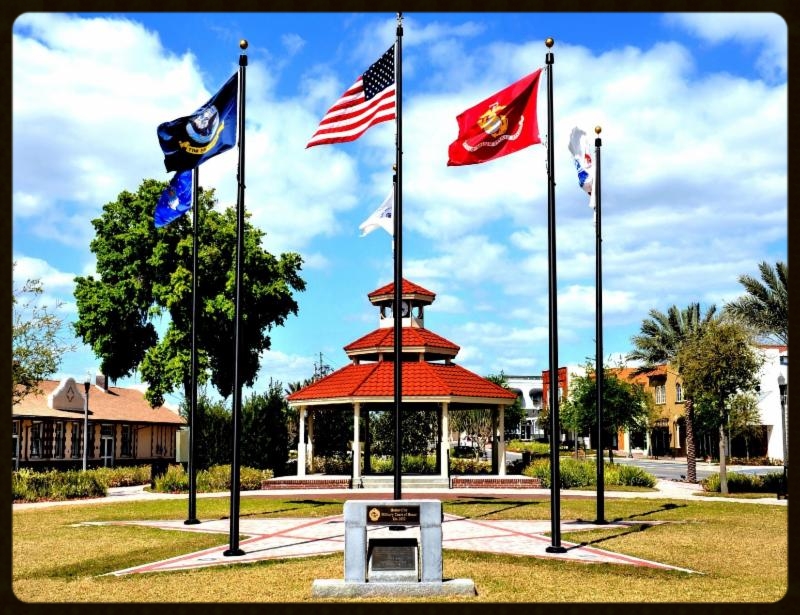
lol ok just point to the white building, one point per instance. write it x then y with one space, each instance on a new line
774 373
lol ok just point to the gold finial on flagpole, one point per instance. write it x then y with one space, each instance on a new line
243 44
597 130
549 42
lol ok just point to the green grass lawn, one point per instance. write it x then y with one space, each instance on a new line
740 551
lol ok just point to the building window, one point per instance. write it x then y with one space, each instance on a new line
59 439
76 440
15 445
36 440
784 359
661 394
127 441
678 392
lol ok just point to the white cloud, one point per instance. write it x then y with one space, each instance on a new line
768 31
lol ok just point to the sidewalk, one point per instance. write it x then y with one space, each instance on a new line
664 489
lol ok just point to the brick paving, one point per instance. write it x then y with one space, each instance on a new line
291 537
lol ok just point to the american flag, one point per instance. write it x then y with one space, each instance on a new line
370 100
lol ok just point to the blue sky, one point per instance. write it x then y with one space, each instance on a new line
693 110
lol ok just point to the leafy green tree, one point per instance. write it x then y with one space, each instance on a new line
418 427
214 432
765 307
36 338
265 439
625 405
744 418
718 363
476 423
659 341
333 431
137 314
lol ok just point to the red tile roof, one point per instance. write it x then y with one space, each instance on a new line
420 379
413 337
408 288
116 404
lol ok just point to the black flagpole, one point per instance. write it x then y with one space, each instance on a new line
237 381
398 262
555 433
192 514
599 367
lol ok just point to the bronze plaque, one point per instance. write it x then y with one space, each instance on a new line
393 515
392 555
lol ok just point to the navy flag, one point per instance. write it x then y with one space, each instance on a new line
176 199
188 142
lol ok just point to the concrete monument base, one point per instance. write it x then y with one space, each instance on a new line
337 588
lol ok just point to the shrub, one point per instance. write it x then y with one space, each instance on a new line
410 463
418 463
630 476
30 486
124 476
336 464
174 480
216 478
460 465
746 483
575 473
540 469
381 464
536 449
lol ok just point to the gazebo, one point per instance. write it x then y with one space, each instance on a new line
431 380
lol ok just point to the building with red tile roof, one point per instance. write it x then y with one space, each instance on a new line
49 427
430 379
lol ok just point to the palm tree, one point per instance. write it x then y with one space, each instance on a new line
659 341
765 307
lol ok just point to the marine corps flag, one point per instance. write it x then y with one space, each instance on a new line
502 124
189 141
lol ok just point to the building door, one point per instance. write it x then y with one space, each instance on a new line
107 445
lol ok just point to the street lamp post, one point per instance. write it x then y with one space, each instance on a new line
86 385
782 388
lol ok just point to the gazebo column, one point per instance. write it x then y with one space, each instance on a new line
495 451
444 443
501 440
301 442
311 441
356 442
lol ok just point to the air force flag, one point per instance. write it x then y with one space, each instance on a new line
176 199
583 162
380 218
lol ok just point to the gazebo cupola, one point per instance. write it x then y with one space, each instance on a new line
418 343
414 298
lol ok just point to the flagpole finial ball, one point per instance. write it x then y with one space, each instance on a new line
598 130
243 44
549 42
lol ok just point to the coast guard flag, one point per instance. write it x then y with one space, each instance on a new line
370 100
579 149
380 218
189 141
176 199
502 124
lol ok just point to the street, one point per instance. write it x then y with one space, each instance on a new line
671 469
